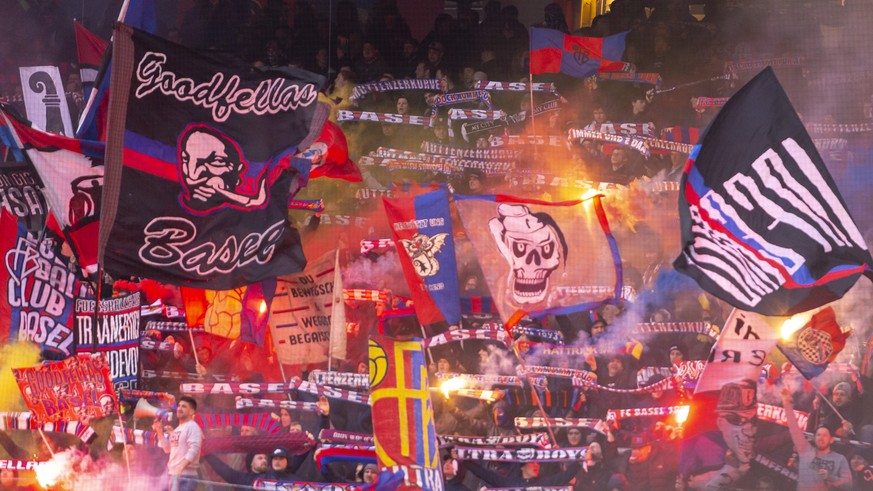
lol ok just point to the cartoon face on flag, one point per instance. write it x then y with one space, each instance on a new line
422 228
198 190
763 225
537 256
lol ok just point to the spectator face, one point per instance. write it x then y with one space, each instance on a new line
574 437
599 115
279 464
858 462
443 365
408 50
618 158
284 417
434 56
841 398
369 475
184 411
598 328
676 356
449 469
530 470
441 132
370 52
823 439
402 106
259 463
421 70
638 105
295 427
248 431
738 430
614 367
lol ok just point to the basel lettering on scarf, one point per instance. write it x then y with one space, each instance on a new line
528 423
639 412
482 114
515 86
465 334
254 388
345 115
557 372
246 403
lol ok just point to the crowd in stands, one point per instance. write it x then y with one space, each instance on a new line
492 44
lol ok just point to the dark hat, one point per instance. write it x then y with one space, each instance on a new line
437 46
279 452
676 347
739 397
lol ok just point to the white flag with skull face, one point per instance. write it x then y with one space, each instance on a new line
540 257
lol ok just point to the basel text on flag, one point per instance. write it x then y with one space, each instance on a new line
763 225
531 251
555 52
72 172
199 166
423 227
36 290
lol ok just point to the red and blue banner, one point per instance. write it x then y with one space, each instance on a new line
812 347
532 251
72 172
764 227
140 14
199 166
36 291
404 431
553 51
422 227
90 49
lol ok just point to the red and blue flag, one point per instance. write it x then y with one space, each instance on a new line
403 432
422 229
553 51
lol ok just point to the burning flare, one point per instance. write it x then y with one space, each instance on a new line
452 384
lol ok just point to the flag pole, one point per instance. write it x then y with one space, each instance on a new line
829 403
536 396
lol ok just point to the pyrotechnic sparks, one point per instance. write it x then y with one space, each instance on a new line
793 324
452 384
682 414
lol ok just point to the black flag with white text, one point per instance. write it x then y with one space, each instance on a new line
763 225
